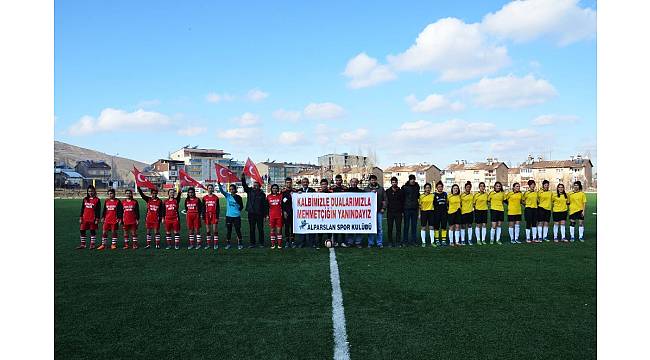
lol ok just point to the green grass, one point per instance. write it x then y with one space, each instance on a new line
510 302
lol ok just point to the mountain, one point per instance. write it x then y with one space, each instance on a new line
70 154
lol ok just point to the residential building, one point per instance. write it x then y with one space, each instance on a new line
67 178
314 176
275 172
362 174
557 171
337 162
155 177
96 172
487 172
424 173
199 163
514 176
168 168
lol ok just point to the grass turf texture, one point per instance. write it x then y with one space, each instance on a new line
510 302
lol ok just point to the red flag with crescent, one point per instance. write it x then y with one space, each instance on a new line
141 180
187 180
224 175
251 170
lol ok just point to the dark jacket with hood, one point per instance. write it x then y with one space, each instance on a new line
411 196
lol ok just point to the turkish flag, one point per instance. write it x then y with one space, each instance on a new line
141 180
187 180
224 175
251 170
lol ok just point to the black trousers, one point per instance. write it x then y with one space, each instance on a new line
307 240
230 223
531 217
338 238
439 219
256 221
288 227
394 219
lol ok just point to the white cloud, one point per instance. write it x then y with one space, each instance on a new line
519 133
249 135
216 98
323 111
247 119
354 136
256 95
323 134
510 91
119 120
148 103
528 20
433 102
365 71
291 138
455 49
551 119
287 115
516 142
191 131
451 131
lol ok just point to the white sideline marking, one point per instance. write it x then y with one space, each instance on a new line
341 349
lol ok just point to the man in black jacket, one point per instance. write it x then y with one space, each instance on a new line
306 239
339 239
395 211
354 239
257 208
411 205
287 212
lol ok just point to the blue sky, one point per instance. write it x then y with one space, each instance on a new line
410 81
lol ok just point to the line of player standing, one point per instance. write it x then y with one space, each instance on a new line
438 212
458 212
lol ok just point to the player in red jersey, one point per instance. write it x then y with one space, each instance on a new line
275 215
89 216
153 217
130 219
211 217
194 211
111 217
171 219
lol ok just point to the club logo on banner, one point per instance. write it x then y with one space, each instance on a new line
346 213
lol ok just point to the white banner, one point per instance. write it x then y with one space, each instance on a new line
349 213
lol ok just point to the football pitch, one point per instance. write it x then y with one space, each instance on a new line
528 301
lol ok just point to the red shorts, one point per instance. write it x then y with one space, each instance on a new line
110 227
193 222
152 225
211 218
88 225
130 227
172 225
275 222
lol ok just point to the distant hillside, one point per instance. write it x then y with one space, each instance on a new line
70 154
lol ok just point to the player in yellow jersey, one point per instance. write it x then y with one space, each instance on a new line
440 206
560 210
480 214
426 215
453 213
529 199
496 199
466 213
544 198
514 212
577 207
